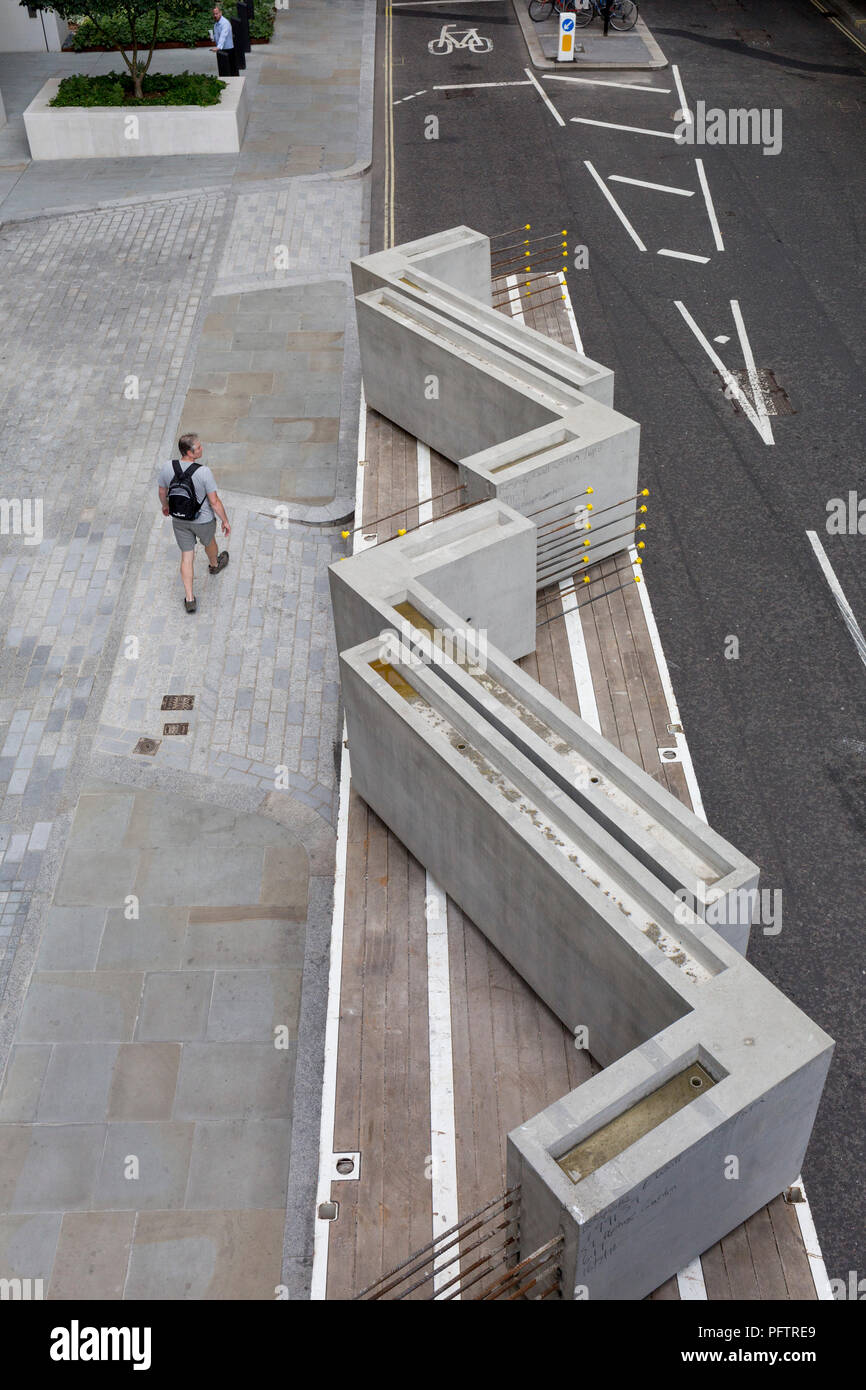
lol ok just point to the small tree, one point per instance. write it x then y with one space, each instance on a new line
142 18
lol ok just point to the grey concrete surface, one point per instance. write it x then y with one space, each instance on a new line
634 49
159 1026
481 390
606 945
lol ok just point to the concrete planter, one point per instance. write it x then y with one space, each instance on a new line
103 132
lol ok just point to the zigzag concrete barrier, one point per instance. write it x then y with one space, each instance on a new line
526 419
568 858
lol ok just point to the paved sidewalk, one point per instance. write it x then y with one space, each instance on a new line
303 87
160 910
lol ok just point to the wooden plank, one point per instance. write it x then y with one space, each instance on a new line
376 424
421 1209
489 1124
371 1184
792 1253
464 1117
342 1240
347 1116
715 1274
765 1256
399 1187
601 690
669 1290
738 1262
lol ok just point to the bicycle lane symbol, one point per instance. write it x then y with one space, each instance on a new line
451 38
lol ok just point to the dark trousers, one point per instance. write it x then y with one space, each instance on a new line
227 63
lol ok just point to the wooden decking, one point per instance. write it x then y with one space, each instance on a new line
511 1056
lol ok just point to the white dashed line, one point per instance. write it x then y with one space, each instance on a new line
616 207
636 129
543 94
600 82
711 211
683 255
658 187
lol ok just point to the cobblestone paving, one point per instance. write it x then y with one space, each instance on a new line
259 657
314 227
89 304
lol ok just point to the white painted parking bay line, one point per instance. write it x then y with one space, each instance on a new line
443 1136
687 115
658 187
636 129
748 358
836 590
711 211
616 207
683 255
733 386
601 82
459 86
543 94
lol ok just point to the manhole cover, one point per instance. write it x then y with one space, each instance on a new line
147 745
775 397
175 728
177 702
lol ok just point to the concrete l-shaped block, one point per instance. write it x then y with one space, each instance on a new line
526 419
568 858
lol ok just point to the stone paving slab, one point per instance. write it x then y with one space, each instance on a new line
307 115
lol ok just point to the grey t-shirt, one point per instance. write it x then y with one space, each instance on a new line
202 480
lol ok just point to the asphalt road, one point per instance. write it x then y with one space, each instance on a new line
778 735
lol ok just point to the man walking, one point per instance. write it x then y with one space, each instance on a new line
221 33
187 493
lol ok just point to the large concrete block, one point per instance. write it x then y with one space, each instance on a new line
526 420
712 1078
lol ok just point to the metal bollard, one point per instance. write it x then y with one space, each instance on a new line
244 17
238 39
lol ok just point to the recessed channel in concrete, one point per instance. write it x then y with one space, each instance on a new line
569 858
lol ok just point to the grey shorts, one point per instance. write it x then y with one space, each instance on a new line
186 533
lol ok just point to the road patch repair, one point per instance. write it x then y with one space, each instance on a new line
570 859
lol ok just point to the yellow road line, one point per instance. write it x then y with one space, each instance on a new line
839 25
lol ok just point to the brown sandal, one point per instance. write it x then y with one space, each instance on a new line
222 561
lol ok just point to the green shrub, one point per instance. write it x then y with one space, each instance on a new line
172 28
115 89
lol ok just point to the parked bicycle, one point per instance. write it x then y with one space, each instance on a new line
623 13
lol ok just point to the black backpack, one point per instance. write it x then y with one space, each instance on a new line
183 504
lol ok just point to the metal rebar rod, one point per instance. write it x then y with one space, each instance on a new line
410 508
644 492
527 227
579 588
453 1259
618 569
468 1283
519 1293
551 237
526 1263
560 552
539 256
587 492
460 1278
593 599
510 1198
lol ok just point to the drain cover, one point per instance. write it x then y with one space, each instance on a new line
147 745
175 728
177 702
775 397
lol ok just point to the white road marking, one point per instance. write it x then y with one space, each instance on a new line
425 483
459 86
514 303
690 1283
687 115
722 338
813 1248
543 94
616 207
836 590
731 383
658 187
754 381
580 666
711 211
600 82
443 1136
682 255
321 1229
637 129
